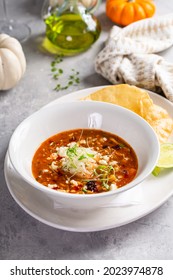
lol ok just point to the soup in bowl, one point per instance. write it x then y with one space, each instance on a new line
58 152
84 161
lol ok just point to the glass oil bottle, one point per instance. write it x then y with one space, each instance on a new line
70 28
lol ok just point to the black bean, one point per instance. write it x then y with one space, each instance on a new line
91 186
104 146
116 147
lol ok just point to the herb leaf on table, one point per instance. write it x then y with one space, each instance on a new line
57 72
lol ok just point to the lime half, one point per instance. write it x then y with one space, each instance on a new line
166 156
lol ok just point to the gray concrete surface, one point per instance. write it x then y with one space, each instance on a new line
23 237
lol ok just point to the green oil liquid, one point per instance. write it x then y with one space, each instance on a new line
69 34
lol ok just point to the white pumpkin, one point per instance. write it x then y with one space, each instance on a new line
12 62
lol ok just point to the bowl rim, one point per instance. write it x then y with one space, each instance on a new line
32 182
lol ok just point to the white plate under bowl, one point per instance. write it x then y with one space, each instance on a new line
151 194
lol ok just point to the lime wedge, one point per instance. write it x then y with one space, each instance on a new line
166 156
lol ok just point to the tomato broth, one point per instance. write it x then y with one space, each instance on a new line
84 161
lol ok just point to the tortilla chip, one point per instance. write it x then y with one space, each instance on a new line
124 95
161 122
138 101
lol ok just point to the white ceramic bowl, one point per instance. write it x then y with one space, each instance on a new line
70 115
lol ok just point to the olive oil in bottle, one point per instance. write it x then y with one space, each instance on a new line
70 29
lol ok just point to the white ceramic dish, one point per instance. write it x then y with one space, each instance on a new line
31 133
153 193
150 195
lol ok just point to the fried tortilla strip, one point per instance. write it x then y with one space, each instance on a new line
124 95
161 122
138 101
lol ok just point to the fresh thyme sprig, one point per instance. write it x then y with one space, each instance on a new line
57 72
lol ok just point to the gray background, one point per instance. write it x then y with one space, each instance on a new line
23 237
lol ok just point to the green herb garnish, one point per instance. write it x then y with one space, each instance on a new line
90 155
84 189
57 73
105 185
81 157
71 152
103 172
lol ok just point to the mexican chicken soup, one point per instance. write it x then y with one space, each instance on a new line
84 161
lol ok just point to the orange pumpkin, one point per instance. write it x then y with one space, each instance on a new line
124 12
